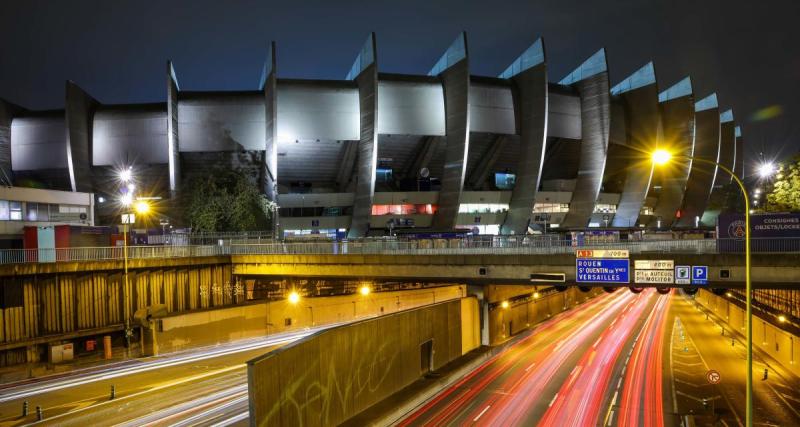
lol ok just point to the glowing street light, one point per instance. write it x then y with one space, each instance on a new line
364 290
661 157
125 175
504 304
766 170
294 297
142 207
535 295
782 318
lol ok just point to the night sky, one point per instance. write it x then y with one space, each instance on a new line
746 51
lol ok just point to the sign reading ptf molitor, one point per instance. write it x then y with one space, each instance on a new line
602 266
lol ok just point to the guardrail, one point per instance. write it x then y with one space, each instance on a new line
480 245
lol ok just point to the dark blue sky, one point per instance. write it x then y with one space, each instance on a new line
746 51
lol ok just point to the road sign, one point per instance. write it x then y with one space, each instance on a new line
662 277
713 377
700 275
653 264
682 276
602 270
602 253
661 272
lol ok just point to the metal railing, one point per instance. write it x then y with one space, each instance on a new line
481 245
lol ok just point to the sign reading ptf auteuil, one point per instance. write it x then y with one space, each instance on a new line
602 266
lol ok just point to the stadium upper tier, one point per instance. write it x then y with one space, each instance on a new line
445 150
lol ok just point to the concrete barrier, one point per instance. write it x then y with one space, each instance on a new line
781 345
524 312
333 375
222 325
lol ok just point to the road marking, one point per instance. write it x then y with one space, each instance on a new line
688 364
530 366
783 397
553 401
727 401
699 399
690 383
619 383
474 420
610 418
161 386
614 399
597 342
677 322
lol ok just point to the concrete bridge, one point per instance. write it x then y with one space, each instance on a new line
62 294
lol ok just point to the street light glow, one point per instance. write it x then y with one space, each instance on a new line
535 295
125 175
504 304
782 318
126 199
294 297
765 170
364 290
661 157
142 207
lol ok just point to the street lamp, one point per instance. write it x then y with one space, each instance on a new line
661 157
364 290
294 297
766 169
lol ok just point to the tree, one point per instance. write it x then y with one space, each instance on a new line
785 194
225 200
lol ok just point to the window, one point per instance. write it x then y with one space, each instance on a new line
32 211
383 175
4 213
646 210
504 180
15 209
473 208
404 209
605 208
551 207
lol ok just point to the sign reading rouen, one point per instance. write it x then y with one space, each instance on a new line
602 266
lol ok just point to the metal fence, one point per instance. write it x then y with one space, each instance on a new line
481 245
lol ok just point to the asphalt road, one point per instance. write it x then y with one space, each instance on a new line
203 387
622 359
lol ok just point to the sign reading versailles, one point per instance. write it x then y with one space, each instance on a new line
602 266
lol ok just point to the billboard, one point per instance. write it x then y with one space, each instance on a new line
778 232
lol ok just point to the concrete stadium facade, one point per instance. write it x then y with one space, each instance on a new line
505 154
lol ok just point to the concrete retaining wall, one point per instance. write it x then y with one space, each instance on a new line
522 313
330 376
257 320
779 344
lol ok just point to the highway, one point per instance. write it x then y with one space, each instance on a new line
201 387
622 359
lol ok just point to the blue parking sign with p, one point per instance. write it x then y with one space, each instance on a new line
699 275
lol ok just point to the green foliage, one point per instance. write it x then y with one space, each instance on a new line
225 200
785 194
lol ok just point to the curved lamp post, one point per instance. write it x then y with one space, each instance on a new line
661 157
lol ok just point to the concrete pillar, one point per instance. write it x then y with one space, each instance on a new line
529 76
453 69
79 111
269 86
173 144
701 176
591 81
365 72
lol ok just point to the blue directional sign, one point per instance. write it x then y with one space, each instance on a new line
700 275
602 270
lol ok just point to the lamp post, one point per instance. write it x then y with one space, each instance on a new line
129 217
661 157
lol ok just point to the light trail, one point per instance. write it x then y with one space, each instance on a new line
580 398
522 376
642 390
46 385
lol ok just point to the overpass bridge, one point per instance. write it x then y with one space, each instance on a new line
49 295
